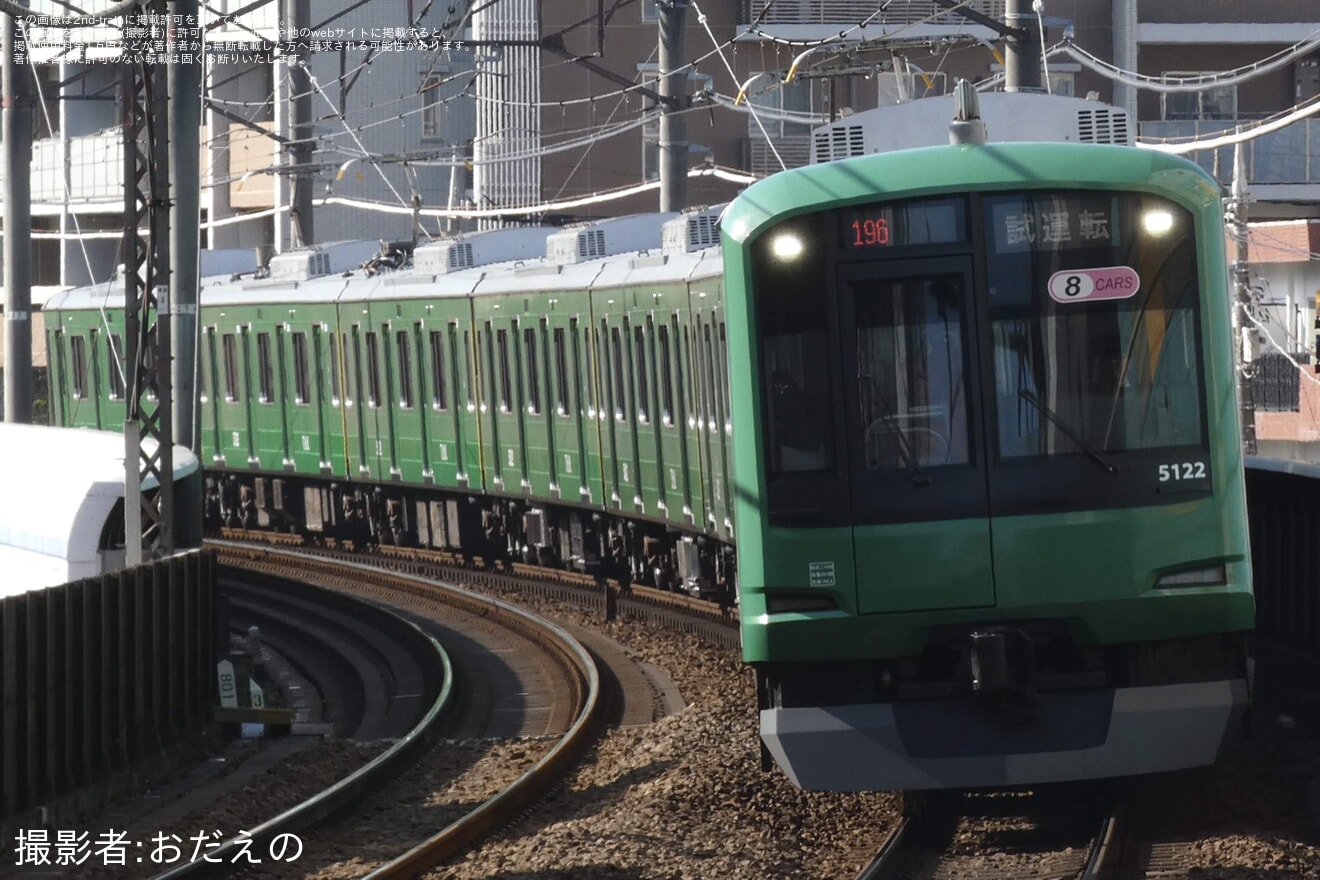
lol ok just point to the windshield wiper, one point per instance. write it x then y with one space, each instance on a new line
919 477
1067 431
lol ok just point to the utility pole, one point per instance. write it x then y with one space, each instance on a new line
16 128
673 101
297 19
1021 48
1244 330
185 118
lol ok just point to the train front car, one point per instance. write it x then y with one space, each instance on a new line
990 503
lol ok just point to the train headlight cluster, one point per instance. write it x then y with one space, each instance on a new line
1157 222
786 246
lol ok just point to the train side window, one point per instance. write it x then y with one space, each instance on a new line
533 373
642 369
231 367
405 369
666 377
302 377
439 391
620 403
265 369
78 357
506 389
114 366
335 392
373 369
470 377
694 373
206 378
722 376
712 401
561 372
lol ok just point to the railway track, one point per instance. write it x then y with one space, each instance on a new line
1070 833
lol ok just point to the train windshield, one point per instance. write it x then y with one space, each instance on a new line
1093 316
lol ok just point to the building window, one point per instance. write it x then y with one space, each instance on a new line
302 377
777 98
432 106
650 12
1219 102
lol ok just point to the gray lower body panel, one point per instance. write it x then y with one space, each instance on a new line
966 744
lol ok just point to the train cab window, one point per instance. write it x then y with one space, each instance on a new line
561 372
620 401
114 366
912 390
404 357
533 373
265 369
78 364
505 387
230 344
302 377
642 366
336 393
1094 317
439 392
373 369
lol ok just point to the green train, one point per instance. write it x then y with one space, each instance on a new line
550 396
989 484
985 478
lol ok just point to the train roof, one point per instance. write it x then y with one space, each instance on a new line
905 174
62 485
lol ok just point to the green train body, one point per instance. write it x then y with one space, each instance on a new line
567 410
990 498
986 534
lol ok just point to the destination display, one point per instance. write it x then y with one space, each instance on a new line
1053 222
902 225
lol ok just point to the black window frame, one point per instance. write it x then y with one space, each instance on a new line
302 377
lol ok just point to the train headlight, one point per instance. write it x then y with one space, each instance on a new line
786 246
1157 222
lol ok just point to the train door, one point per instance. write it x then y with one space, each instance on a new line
249 415
673 415
913 439
281 391
94 376
316 385
60 379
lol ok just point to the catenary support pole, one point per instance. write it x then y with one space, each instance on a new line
185 119
297 19
17 146
673 103
1021 51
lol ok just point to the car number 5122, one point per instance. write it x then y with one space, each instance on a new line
1182 470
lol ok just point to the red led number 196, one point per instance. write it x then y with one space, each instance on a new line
870 232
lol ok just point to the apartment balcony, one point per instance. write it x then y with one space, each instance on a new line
823 19
1283 166
1173 22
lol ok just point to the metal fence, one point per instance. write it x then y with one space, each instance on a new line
100 678
1283 502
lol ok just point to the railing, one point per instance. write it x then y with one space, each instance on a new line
1289 155
99 679
856 11
1283 506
